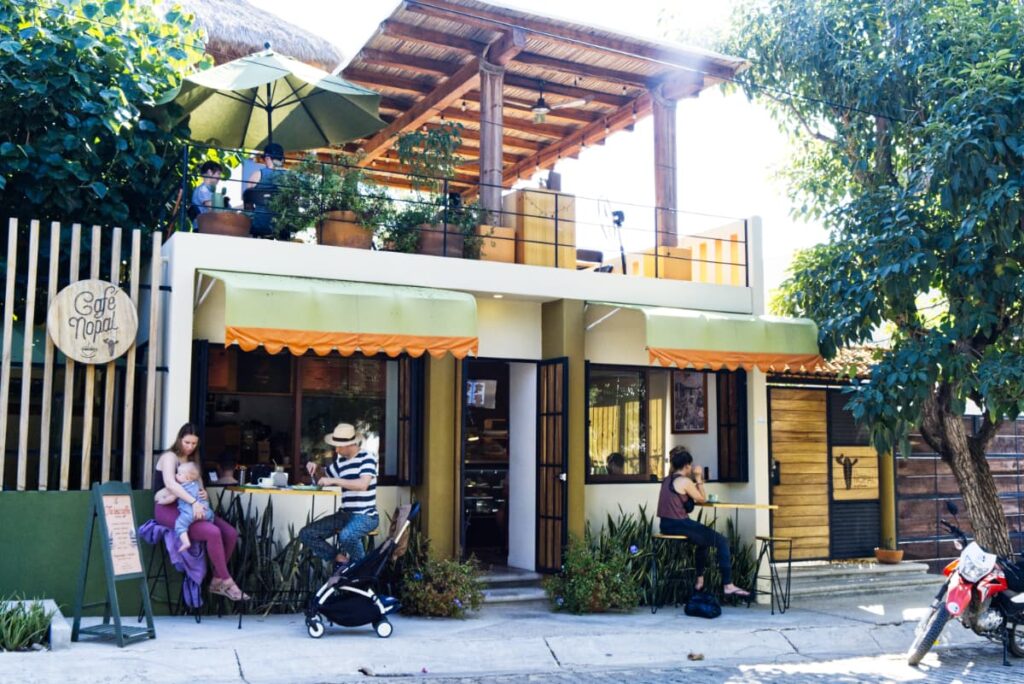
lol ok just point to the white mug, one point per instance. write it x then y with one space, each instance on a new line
265 482
280 479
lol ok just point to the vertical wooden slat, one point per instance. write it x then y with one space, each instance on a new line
129 376
26 358
69 370
155 281
90 373
47 408
5 360
108 395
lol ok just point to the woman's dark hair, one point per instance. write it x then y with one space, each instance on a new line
680 458
186 430
274 151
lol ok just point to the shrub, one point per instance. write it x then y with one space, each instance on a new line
594 581
441 588
23 624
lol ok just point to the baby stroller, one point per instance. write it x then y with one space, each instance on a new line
348 598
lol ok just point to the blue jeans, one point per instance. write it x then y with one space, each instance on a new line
702 537
350 528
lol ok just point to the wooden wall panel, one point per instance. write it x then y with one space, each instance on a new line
799 443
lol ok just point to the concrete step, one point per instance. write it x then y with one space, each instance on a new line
867 585
511 578
533 594
844 570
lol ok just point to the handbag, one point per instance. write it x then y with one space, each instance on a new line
702 605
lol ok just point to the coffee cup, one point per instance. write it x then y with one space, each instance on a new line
712 498
265 482
279 478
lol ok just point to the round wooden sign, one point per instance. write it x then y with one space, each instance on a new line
92 321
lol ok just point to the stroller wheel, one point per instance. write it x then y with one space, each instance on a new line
315 627
383 628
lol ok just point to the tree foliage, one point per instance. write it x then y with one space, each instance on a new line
909 119
76 81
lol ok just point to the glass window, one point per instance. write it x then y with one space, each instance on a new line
616 414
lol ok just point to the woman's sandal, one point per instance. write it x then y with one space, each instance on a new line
739 595
228 589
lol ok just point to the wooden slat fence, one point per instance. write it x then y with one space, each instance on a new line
47 439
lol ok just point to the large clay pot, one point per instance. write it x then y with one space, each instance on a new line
224 223
888 556
432 241
341 229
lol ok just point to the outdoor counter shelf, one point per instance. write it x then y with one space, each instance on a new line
736 507
333 492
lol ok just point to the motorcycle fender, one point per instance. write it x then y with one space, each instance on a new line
958 598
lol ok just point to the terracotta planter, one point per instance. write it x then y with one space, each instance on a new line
889 556
224 223
340 229
432 241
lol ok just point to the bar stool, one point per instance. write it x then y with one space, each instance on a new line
657 582
779 589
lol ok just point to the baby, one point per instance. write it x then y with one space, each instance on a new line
187 476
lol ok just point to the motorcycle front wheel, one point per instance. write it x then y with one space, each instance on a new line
928 633
1016 643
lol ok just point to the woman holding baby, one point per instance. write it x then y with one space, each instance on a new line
173 498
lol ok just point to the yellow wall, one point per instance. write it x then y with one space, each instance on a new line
563 335
437 493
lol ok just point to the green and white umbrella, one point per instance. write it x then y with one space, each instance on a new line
266 97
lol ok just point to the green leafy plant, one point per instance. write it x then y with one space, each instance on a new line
401 231
625 544
430 155
23 623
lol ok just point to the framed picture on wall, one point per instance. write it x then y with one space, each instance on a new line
689 402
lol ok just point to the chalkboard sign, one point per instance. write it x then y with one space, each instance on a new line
111 506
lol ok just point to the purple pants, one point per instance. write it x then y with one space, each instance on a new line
219 536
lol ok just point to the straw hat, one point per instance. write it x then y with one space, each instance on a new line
344 435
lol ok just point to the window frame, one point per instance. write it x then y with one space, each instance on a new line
595 478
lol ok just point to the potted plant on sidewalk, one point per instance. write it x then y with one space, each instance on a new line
889 553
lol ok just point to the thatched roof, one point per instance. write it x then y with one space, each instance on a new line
235 28
849 362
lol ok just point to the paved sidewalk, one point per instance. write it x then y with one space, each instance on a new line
497 641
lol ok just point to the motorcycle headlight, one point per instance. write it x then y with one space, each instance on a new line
975 563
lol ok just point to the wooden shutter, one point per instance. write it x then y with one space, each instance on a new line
410 412
732 426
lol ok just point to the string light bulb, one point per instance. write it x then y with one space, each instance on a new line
463 107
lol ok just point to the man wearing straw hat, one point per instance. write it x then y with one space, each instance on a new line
355 471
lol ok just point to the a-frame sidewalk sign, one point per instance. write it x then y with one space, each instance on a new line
112 507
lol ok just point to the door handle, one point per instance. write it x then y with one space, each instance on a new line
561 476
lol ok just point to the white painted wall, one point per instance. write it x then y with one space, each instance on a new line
522 505
294 509
508 328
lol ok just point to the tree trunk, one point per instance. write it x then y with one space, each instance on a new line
944 431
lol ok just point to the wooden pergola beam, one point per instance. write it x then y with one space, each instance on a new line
592 134
544 130
427 36
380 79
680 86
509 141
506 48
414 63
462 81
529 83
580 69
557 32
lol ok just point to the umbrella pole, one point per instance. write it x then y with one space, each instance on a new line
270 123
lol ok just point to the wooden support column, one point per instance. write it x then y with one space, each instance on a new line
492 81
665 195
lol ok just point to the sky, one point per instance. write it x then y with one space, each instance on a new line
729 150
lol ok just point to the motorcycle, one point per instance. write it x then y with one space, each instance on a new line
984 591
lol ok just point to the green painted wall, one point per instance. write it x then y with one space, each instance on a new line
41 546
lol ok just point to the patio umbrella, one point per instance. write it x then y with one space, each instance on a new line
266 97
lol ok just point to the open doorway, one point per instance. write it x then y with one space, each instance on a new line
499 470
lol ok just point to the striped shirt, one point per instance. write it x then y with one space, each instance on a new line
353 501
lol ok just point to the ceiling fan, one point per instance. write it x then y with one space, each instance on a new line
540 109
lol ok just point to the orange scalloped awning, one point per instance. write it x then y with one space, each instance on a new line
302 314
716 360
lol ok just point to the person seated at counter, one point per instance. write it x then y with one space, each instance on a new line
680 490
225 470
615 464
355 471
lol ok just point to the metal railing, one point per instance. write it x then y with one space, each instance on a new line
535 226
